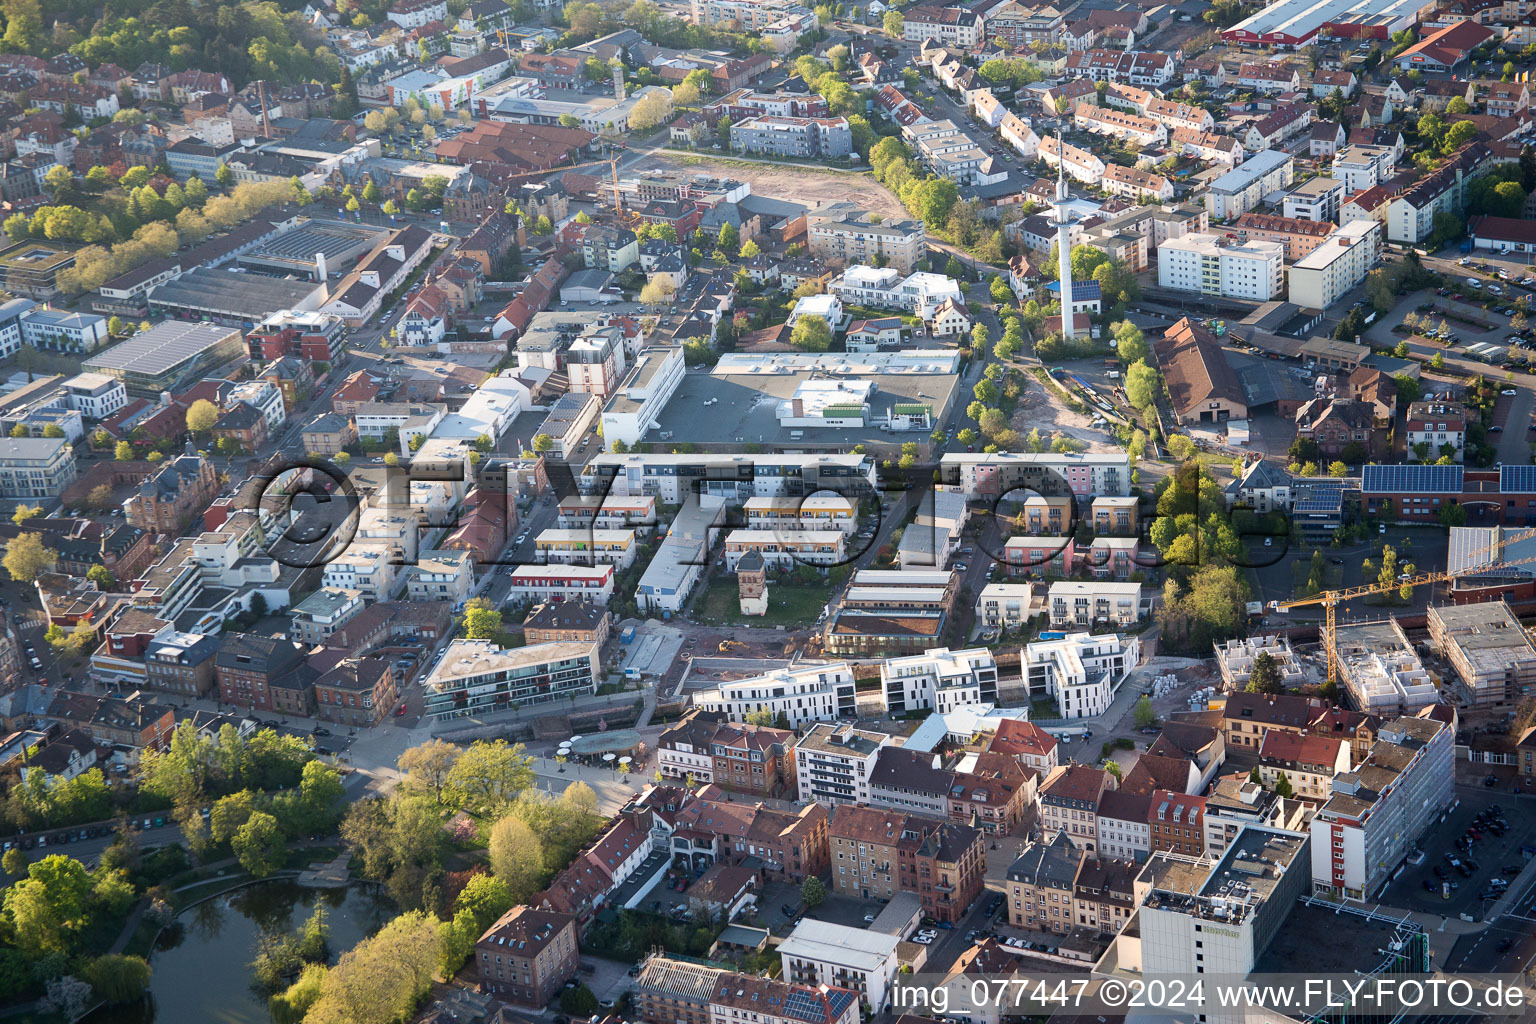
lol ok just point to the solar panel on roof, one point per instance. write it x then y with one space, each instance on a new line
1411 479
1517 479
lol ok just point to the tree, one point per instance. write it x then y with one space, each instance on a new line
1265 676
1130 343
657 292
579 1001
516 857
543 443
1142 384
229 813
894 24
14 862
118 979
652 109
750 249
123 452
1145 716
201 416
382 978
427 765
46 908
811 334
813 892
26 558
25 512
486 897
481 620
67 996
487 776
101 576
1283 786
223 175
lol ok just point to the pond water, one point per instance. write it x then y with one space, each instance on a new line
201 970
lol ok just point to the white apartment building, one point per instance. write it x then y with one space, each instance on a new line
1245 186
1362 166
445 576
1318 199
1214 265
1123 827
1003 605
786 550
1082 671
940 680
535 583
1082 604
1379 810
1324 275
265 398
366 567
615 512
95 395
805 693
636 407
1199 917
813 512
587 547
821 953
833 763
886 288
992 474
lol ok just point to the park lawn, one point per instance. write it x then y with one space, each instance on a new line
791 604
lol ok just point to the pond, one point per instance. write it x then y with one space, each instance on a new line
201 970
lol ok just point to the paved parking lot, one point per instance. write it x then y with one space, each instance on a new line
1491 853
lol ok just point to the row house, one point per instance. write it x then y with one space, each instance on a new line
1207 146
1135 184
1148 68
1268 77
1275 128
1104 121
876 853
951 26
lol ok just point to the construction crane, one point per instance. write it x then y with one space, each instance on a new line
1331 599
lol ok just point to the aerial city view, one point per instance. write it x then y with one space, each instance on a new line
742 512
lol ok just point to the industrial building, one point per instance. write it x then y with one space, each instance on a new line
168 356
1294 23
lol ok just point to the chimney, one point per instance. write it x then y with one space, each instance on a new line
321 271
618 81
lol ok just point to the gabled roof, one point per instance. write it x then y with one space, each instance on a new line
1195 367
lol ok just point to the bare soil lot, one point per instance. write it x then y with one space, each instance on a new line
1039 409
795 184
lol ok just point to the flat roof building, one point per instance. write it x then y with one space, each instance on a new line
168 355
1493 657
1381 671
